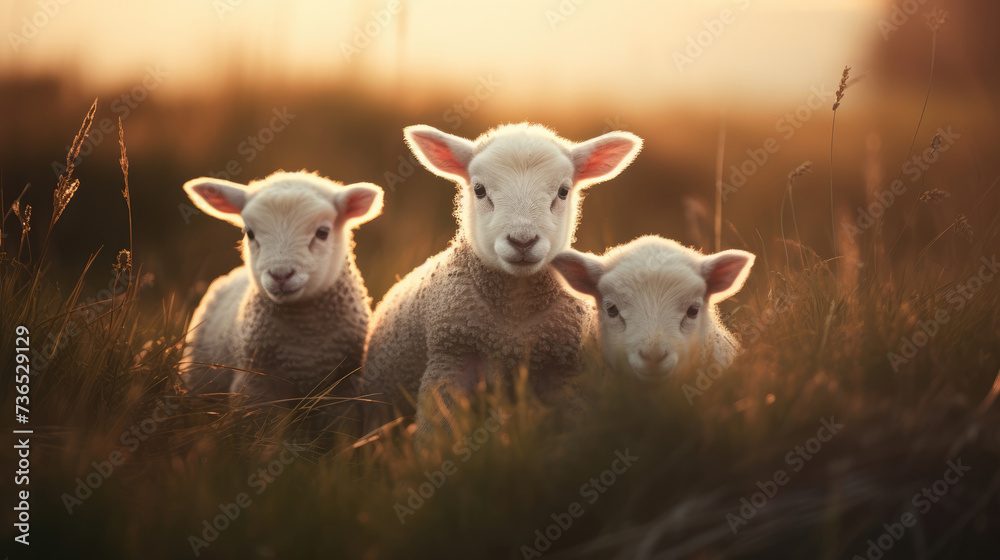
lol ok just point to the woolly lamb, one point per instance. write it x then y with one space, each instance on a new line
489 303
657 302
297 309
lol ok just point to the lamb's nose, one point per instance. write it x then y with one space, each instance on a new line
522 246
653 357
279 277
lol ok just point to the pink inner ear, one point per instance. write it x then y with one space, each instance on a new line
216 199
439 154
577 274
724 272
604 159
358 203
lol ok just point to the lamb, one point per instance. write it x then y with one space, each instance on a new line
297 310
656 302
489 303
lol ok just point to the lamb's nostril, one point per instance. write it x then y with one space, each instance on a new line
653 357
522 246
280 278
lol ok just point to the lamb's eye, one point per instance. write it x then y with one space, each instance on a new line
563 193
692 311
322 233
250 234
480 190
612 311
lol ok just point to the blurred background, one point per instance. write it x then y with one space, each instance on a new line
240 88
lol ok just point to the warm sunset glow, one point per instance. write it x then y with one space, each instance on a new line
646 50
499 279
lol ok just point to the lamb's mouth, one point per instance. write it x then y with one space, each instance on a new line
283 293
655 377
523 262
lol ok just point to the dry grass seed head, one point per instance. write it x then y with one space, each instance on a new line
123 161
936 19
124 261
24 217
933 195
67 185
963 228
936 142
799 171
843 87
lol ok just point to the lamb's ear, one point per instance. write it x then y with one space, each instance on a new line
725 272
358 203
582 271
218 198
604 157
445 155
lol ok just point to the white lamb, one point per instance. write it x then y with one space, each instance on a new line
297 310
656 302
489 303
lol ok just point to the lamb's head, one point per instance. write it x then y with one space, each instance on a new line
520 186
297 227
655 299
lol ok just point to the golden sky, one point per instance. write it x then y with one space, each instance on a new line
634 50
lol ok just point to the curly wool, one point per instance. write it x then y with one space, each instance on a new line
296 345
456 306
722 346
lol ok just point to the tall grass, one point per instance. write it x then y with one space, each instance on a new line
833 132
816 349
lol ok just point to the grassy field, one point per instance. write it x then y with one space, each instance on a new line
862 413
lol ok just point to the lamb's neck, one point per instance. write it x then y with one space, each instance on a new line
515 296
299 340
331 303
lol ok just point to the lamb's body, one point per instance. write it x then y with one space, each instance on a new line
296 345
490 303
211 338
721 346
455 313
293 318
